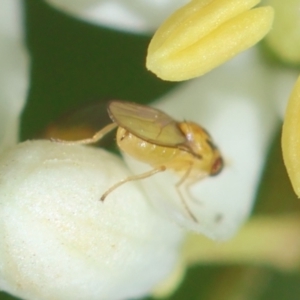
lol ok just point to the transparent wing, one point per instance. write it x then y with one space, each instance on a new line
147 123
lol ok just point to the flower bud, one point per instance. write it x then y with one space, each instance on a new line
59 241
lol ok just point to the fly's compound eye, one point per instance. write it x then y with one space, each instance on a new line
217 167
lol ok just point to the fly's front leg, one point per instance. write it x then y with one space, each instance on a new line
132 178
94 139
188 188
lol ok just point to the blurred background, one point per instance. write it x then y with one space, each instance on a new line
76 68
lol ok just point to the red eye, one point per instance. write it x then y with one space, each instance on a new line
217 166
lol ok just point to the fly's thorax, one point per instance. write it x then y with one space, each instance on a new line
201 144
150 153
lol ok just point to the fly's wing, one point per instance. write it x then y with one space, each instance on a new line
147 123
79 123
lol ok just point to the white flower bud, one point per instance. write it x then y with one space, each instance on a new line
59 241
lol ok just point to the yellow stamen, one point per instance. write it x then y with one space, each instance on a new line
204 34
291 138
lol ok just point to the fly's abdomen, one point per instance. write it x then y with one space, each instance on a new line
144 151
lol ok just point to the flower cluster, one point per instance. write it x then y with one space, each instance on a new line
58 240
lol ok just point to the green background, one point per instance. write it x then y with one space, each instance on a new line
75 63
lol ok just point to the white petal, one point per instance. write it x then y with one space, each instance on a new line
235 104
59 241
131 15
13 71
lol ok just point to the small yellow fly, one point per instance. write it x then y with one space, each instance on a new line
153 137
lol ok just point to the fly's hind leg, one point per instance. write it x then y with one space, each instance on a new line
183 201
132 178
94 139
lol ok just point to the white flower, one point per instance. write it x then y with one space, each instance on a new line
57 239
14 71
132 15
58 236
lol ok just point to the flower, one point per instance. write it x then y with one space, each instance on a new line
134 16
249 112
57 235
14 77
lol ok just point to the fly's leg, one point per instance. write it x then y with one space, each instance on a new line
177 185
190 184
94 139
132 178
